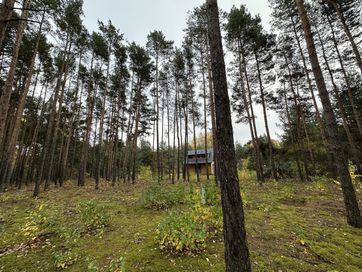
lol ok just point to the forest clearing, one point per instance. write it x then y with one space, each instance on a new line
194 135
292 226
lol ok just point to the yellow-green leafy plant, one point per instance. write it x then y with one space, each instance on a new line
158 196
93 216
68 254
179 232
40 220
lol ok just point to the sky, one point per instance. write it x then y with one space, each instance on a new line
137 18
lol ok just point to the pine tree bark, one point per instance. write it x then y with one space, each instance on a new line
126 159
100 152
8 87
266 123
89 118
74 119
354 150
349 194
212 111
30 158
195 141
169 137
177 130
298 137
157 120
60 84
9 151
135 140
291 136
249 96
236 247
48 139
205 113
6 12
259 170
314 100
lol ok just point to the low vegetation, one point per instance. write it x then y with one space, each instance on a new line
291 226
157 196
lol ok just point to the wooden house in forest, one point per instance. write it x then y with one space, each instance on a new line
201 160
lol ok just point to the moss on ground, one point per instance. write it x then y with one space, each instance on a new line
291 226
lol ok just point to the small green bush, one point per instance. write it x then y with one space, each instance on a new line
179 232
208 216
157 196
93 216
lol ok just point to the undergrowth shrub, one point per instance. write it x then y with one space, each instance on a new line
208 216
206 210
188 231
212 194
93 216
68 254
158 196
356 177
247 175
41 220
145 173
179 232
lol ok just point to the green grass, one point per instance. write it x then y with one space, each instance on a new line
291 226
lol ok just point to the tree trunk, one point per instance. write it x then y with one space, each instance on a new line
270 143
258 152
60 84
314 100
212 111
195 143
250 118
9 151
169 139
236 248
8 87
175 131
205 115
126 158
134 147
179 132
6 12
298 136
74 123
47 142
354 150
349 194
345 75
157 122
291 136
101 130
85 143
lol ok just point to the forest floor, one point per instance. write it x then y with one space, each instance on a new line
291 226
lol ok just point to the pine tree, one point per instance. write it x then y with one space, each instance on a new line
236 248
353 214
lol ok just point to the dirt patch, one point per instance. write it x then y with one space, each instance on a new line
26 246
297 202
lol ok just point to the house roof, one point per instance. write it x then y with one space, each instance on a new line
200 151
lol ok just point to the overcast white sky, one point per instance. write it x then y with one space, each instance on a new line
137 18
